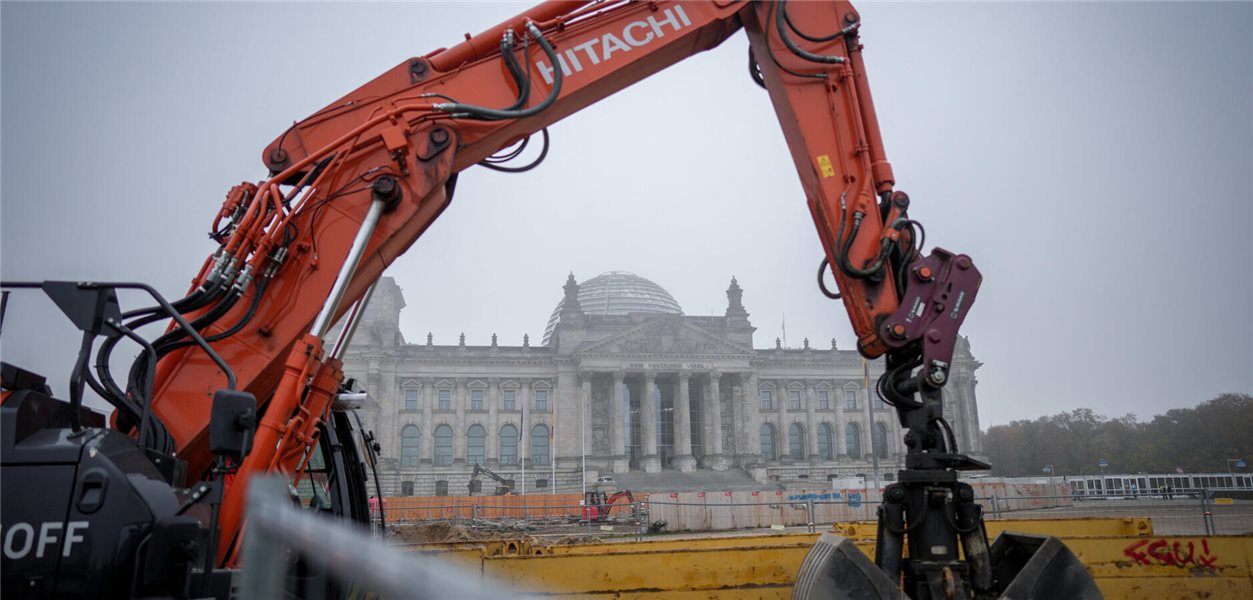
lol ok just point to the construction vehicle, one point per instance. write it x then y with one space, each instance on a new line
598 505
504 487
246 378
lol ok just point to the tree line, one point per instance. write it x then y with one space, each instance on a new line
1199 439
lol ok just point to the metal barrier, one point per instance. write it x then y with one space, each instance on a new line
1192 512
279 533
1179 513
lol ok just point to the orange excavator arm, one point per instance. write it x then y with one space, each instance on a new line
356 183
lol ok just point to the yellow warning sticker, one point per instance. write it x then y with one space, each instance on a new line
824 163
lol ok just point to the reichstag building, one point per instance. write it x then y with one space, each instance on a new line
623 381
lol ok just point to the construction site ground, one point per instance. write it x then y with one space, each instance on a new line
1169 517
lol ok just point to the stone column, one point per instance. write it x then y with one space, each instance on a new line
493 424
782 399
840 451
683 460
811 422
427 455
650 462
750 421
585 415
713 420
459 402
618 461
524 421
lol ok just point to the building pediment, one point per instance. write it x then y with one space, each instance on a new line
665 337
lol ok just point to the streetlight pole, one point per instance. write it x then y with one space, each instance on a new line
1102 463
1239 463
1049 469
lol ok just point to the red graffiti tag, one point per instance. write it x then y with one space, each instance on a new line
1164 553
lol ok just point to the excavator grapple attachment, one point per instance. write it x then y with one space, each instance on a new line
1037 566
835 569
1025 567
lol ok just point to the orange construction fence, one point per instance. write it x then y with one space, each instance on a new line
531 506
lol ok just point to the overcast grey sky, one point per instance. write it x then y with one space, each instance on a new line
1096 160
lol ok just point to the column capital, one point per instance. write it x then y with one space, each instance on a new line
618 376
684 374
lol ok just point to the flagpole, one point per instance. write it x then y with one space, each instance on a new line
583 438
874 450
526 444
553 449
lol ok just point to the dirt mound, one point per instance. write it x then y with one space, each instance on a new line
436 532
444 532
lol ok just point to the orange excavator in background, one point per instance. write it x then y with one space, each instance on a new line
245 380
598 505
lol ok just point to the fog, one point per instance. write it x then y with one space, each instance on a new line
1096 160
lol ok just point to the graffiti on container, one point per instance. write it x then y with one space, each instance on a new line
854 498
1163 552
815 497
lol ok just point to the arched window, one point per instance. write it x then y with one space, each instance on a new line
796 441
881 440
443 445
852 440
539 445
508 445
825 436
767 442
410 441
476 445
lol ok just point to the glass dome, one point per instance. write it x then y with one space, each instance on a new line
618 293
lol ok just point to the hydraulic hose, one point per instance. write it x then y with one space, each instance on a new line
494 114
797 50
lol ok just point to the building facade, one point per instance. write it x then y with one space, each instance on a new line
624 381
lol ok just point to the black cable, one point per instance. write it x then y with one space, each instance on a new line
872 267
161 346
523 81
797 50
258 291
492 114
535 163
822 284
765 32
754 70
512 154
835 36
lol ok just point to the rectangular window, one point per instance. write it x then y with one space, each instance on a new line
541 484
441 487
445 399
541 399
850 399
511 397
824 399
794 399
476 399
767 400
411 399
406 488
